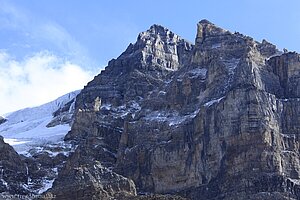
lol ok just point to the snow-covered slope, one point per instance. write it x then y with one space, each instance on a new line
27 128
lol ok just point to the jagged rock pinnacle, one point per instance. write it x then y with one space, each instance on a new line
205 21
157 29
156 47
207 29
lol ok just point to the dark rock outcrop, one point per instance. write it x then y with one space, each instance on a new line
2 120
90 182
64 115
13 171
214 120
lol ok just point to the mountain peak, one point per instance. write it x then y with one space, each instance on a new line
157 29
168 117
205 21
207 29
157 47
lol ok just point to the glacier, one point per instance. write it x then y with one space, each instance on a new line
27 128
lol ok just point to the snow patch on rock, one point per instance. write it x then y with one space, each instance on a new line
198 72
172 118
210 103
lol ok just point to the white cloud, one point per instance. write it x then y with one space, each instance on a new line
37 79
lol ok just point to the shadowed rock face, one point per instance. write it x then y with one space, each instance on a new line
13 174
2 120
215 120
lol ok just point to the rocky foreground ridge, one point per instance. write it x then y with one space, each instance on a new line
218 119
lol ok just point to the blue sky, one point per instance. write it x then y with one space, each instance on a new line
79 37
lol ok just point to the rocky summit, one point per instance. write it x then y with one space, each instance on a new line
168 119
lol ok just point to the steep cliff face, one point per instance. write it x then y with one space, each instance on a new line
215 120
286 67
